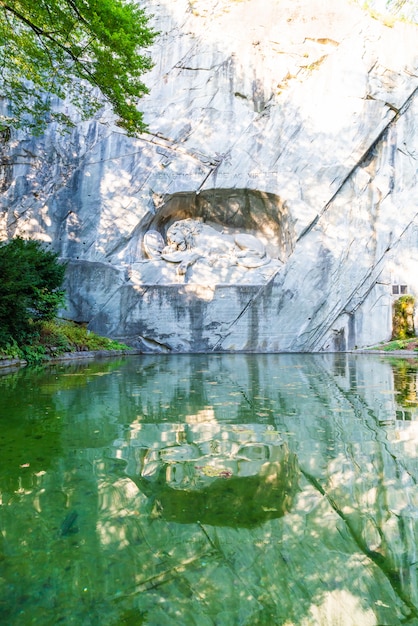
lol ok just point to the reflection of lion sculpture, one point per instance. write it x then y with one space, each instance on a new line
189 240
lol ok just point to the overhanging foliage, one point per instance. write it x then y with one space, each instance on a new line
79 51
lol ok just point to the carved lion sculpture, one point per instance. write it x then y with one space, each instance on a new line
189 240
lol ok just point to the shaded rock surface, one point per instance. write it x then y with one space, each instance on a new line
293 122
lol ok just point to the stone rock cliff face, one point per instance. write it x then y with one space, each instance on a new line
289 121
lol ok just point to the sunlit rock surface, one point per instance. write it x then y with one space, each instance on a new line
290 121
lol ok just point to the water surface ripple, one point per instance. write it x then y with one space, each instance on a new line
226 490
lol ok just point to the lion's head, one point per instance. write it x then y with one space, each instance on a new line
182 234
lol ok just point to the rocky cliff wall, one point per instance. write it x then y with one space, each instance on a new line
291 123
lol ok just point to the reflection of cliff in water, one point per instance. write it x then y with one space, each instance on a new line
269 490
226 500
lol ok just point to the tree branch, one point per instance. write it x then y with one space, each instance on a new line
40 32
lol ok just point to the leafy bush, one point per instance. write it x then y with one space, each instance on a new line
30 290
63 336
77 51
403 317
30 295
56 337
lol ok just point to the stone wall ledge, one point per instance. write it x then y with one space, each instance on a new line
11 364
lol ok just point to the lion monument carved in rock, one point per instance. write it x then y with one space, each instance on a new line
190 240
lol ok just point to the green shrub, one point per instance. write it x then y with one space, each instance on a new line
56 337
30 296
30 290
63 336
403 317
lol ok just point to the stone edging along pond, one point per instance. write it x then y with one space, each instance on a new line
8 363
70 356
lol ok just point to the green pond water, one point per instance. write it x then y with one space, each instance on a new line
210 490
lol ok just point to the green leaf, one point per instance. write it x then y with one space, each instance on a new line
82 52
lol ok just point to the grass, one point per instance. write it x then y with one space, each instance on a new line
71 337
57 337
398 344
